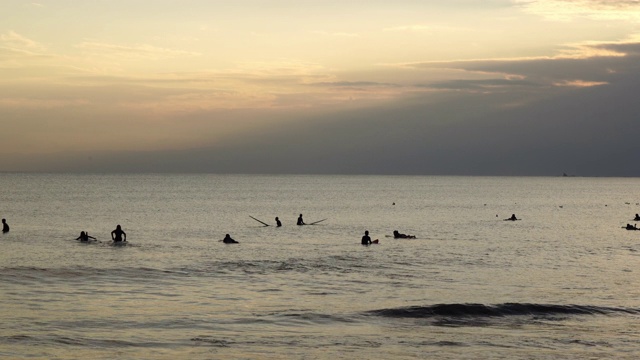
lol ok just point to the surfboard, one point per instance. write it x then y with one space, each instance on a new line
261 222
315 222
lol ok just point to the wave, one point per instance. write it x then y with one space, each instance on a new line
500 310
26 274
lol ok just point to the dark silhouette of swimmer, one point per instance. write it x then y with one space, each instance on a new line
397 235
631 227
5 226
512 218
84 237
116 235
366 240
278 223
300 221
228 240
637 218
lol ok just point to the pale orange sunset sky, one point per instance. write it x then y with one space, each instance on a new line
490 87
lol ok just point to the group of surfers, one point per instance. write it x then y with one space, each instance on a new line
366 239
279 223
118 236
634 226
628 227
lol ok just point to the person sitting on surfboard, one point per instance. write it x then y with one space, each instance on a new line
278 223
637 218
300 221
228 240
366 240
632 227
512 218
5 226
116 235
397 235
84 237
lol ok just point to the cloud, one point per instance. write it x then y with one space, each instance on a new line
580 83
14 41
489 84
140 51
597 64
566 10
20 52
7 54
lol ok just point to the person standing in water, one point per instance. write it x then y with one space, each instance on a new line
300 221
117 234
278 223
5 226
366 240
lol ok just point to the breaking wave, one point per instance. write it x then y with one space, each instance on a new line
500 310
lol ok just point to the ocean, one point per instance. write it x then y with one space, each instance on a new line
563 282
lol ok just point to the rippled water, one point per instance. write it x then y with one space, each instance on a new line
560 283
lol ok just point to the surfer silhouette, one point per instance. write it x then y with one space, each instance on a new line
512 218
397 235
117 235
366 240
631 227
228 240
300 221
637 218
5 226
278 223
84 237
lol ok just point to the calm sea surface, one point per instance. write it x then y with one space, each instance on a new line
563 282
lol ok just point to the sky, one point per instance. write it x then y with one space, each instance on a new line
450 87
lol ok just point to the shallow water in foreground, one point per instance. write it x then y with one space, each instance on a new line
560 283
